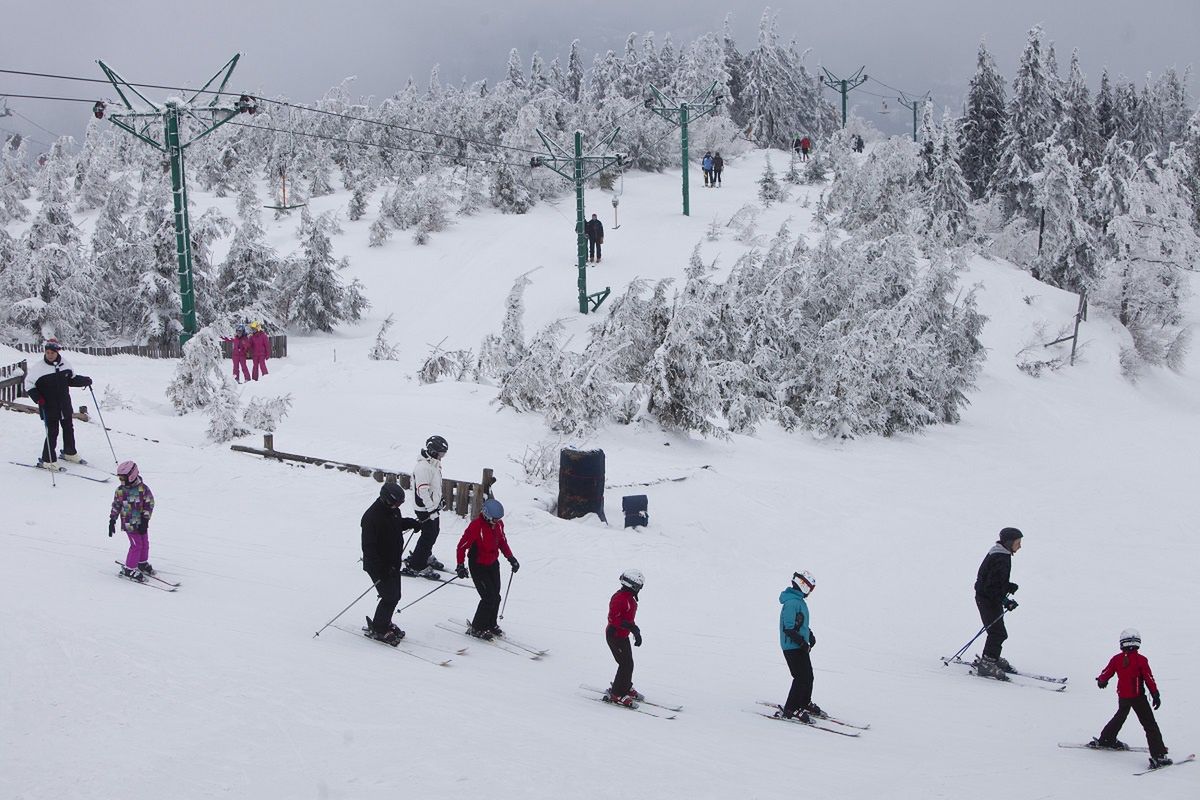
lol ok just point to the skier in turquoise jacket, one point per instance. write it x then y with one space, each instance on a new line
797 640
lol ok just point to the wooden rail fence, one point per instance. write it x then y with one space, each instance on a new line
12 381
464 498
172 350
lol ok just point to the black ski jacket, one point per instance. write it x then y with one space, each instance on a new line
594 229
991 582
383 530
49 385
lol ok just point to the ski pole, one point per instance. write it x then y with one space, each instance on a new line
100 414
431 591
347 608
49 454
963 649
505 605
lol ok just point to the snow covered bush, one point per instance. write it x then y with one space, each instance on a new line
222 411
769 189
383 350
199 378
264 413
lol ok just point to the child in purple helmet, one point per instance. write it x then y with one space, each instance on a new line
134 503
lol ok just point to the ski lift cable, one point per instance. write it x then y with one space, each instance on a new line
893 88
35 124
25 138
268 100
433 153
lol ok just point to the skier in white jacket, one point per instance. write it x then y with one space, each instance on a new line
427 491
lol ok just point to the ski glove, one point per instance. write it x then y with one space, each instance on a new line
1157 701
1103 684
512 562
812 640
461 571
637 636
112 527
1012 588
144 526
1010 604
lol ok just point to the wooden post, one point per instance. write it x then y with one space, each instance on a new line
268 441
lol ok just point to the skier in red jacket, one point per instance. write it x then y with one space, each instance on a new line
482 543
1133 678
622 609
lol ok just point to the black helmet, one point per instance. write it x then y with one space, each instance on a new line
392 493
436 446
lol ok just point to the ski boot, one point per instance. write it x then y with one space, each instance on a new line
479 633
799 716
145 568
133 575
627 700
74 458
986 667
815 710
50 465
433 562
496 630
1107 744
1002 662
1160 761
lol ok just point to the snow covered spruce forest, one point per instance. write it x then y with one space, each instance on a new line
838 364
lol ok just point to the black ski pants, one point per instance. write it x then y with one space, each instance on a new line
1145 715
622 651
388 587
800 665
487 582
991 613
54 417
594 248
431 526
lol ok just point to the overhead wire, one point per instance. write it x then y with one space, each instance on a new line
284 103
35 124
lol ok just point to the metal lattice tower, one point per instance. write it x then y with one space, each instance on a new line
681 113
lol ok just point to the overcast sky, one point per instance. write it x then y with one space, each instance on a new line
301 48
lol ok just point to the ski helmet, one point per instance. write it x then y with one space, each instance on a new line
492 509
1130 638
633 579
240 330
392 493
52 344
127 471
804 581
436 446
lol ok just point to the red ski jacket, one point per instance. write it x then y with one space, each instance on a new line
484 541
622 608
1132 671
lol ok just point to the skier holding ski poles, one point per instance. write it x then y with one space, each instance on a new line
1133 679
48 383
481 545
992 587
383 528
427 497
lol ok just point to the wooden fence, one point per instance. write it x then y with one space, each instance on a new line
12 381
172 350
464 498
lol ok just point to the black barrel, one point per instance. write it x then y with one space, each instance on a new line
581 483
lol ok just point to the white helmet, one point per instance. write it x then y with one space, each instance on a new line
634 579
1130 638
804 581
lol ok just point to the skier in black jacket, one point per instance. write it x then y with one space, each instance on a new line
48 383
383 528
992 588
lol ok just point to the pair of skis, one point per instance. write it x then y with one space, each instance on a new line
826 723
70 472
405 646
1077 746
1027 679
643 706
504 642
153 581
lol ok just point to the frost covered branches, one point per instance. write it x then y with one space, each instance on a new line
844 340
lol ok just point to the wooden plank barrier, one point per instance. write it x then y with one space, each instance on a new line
464 498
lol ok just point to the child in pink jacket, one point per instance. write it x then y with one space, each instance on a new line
241 344
260 348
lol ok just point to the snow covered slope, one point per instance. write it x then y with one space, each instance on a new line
220 690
